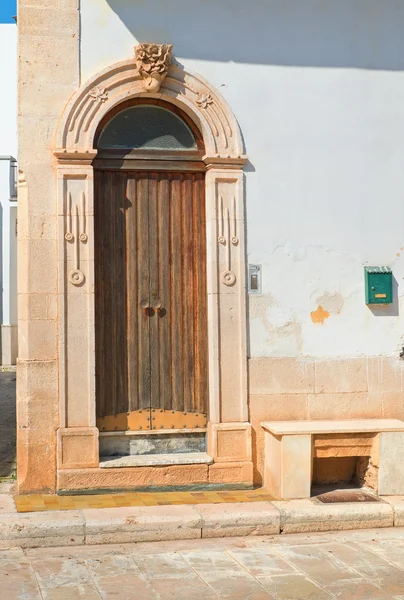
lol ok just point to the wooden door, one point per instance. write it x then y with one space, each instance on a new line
151 301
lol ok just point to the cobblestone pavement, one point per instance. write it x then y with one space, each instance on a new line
361 565
7 424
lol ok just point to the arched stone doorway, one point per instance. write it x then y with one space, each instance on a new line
229 437
150 275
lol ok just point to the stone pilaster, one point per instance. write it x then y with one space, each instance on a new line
48 75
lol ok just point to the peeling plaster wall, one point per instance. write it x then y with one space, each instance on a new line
318 90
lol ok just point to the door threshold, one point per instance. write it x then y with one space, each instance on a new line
154 460
153 432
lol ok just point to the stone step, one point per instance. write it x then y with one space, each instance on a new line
149 460
119 444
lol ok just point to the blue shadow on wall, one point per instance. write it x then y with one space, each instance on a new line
366 34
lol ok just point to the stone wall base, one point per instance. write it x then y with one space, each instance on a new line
174 475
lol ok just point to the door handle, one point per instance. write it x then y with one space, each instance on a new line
148 309
145 306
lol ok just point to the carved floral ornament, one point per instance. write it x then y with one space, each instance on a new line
152 61
203 100
99 94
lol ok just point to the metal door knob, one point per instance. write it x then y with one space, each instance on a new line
156 305
144 304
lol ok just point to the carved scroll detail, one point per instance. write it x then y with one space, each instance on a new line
152 61
76 233
221 239
234 237
228 277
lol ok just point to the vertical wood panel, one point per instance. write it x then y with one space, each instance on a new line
154 291
119 287
188 274
132 300
201 300
164 316
107 317
99 196
176 235
143 283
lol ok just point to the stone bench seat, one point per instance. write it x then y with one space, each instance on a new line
291 446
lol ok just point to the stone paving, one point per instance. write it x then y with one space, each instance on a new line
7 423
365 565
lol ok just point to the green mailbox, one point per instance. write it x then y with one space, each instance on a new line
378 285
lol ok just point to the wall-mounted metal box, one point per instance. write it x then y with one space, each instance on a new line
378 285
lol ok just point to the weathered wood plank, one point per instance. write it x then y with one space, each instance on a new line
132 298
143 285
119 287
164 314
99 184
200 295
188 274
177 332
154 291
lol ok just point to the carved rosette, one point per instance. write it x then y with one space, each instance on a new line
152 61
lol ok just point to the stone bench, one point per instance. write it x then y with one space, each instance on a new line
291 446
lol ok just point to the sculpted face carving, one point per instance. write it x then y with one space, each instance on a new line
153 61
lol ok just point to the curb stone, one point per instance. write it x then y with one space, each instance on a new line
180 522
304 516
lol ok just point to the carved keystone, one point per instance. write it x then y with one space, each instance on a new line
152 61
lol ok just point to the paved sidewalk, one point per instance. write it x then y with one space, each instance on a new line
7 423
366 565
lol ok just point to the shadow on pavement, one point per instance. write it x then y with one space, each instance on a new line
7 424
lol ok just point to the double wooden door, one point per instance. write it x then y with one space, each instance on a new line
150 300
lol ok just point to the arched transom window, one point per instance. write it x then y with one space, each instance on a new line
145 126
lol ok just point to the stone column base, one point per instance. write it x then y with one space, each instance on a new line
230 446
78 448
230 442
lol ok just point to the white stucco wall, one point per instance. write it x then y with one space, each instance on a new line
8 207
318 89
8 98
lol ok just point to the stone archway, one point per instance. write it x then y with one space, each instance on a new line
229 433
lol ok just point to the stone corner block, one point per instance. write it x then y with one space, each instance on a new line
78 447
239 519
